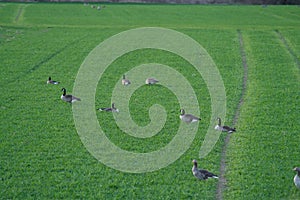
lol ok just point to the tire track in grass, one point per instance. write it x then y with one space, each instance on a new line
47 59
290 50
20 12
222 180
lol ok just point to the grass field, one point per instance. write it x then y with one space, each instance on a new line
42 156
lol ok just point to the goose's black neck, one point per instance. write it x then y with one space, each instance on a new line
219 121
195 164
182 112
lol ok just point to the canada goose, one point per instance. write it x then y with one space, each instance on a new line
219 127
151 81
49 81
297 177
68 97
112 109
202 174
188 118
125 81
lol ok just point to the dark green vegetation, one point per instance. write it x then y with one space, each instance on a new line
41 153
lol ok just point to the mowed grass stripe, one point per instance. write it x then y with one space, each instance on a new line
222 180
172 16
263 152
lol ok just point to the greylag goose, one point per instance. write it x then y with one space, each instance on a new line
125 81
297 177
151 81
224 128
68 97
49 81
202 174
112 109
188 118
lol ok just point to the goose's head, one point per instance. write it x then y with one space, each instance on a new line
123 76
297 169
49 78
195 162
219 121
182 112
114 108
64 91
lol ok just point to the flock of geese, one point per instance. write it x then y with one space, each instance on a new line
201 174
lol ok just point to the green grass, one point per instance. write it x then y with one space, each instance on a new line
42 156
268 125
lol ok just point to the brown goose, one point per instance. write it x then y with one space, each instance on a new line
188 118
202 174
125 81
68 97
151 81
224 128
112 109
297 177
49 81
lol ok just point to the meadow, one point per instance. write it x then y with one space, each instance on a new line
256 50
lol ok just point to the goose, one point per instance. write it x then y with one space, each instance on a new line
202 174
297 177
68 97
112 109
49 81
188 118
219 127
151 81
125 81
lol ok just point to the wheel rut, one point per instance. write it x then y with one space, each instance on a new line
290 50
45 60
222 180
20 12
